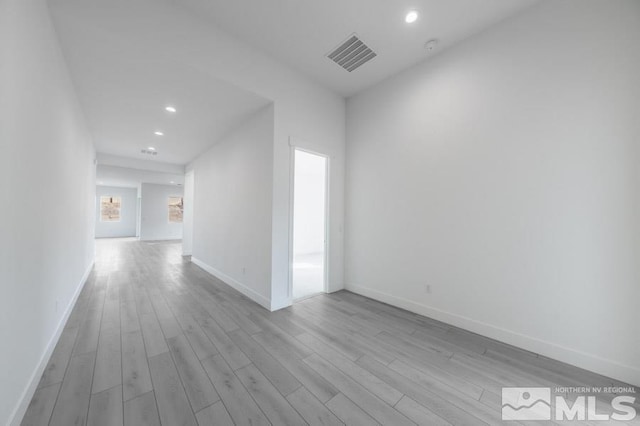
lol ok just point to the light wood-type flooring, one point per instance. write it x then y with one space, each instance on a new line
153 339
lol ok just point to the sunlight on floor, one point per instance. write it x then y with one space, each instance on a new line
308 275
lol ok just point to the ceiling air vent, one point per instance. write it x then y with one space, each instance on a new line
149 152
352 54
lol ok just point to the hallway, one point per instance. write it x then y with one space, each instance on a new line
155 340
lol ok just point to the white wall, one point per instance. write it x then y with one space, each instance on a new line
305 114
47 184
125 177
504 174
233 208
187 224
309 203
154 213
135 164
126 227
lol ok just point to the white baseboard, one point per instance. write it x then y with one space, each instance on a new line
280 305
18 413
231 282
606 367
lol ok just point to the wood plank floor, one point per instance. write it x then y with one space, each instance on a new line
155 340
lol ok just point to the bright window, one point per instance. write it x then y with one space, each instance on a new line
175 209
110 208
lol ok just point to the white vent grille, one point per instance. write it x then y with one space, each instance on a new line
148 152
352 54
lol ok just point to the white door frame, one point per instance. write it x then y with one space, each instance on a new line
292 175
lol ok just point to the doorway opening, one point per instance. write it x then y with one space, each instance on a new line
309 258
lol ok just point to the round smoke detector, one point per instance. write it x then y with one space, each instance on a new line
431 45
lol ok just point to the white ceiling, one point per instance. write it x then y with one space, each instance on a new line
302 32
124 86
123 58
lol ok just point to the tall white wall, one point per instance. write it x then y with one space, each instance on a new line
47 184
305 114
233 207
126 227
124 177
504 174
187 225
154 212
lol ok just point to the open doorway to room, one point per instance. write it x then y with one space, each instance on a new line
309 224
138 203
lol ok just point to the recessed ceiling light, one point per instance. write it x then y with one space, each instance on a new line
172 182
411 17
170 109
150 148
158 133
